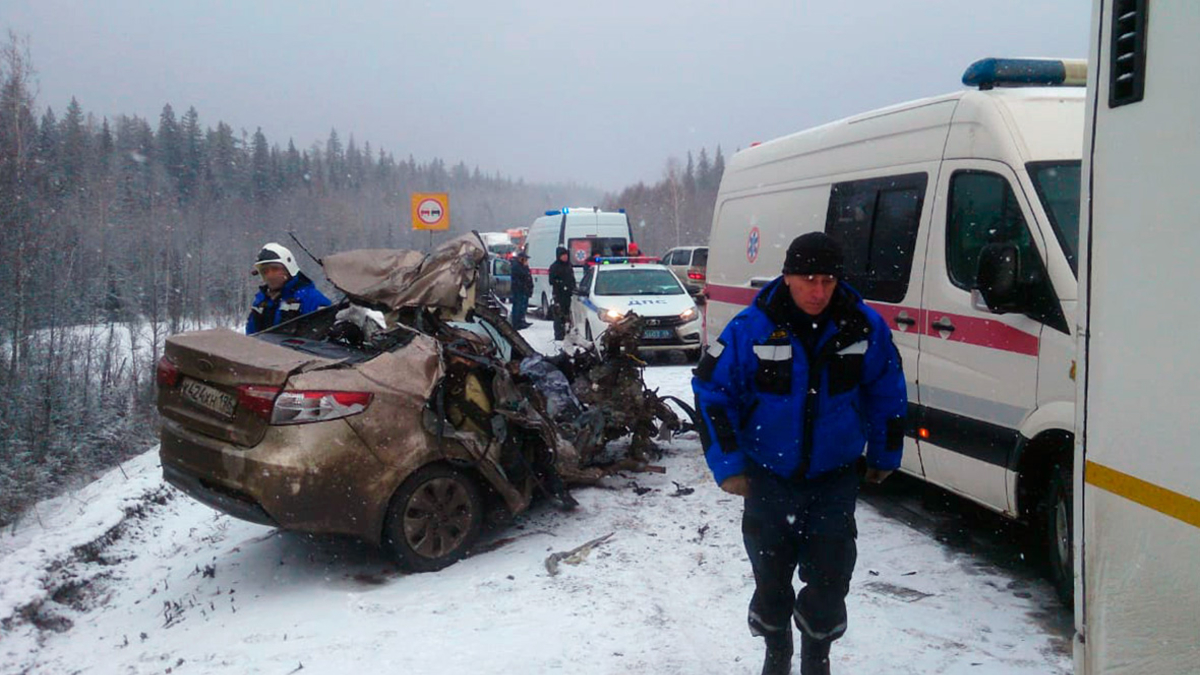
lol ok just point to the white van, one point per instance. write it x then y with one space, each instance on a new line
1138 488
585 232
926 197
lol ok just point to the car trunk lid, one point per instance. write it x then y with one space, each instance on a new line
211 366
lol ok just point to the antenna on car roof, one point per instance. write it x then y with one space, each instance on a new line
305 249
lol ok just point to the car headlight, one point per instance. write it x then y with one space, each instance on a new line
610 315
688 314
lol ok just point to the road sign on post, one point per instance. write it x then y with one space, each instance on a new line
431 211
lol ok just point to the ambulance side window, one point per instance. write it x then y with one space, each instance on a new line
876 222
982 210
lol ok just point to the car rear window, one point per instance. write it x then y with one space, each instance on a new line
700 258
638 282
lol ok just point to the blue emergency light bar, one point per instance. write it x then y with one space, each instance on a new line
991 72
554 213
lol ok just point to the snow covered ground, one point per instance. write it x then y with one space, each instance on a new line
129 576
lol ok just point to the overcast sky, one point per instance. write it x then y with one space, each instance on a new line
598 92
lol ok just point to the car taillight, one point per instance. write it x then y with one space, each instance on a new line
167 373
257 400
301 407
696 276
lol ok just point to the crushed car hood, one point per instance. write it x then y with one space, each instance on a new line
397 278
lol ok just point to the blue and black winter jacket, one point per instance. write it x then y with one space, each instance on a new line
763 400
298 296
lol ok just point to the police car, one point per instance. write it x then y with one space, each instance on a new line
613 287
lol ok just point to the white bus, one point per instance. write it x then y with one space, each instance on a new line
1137 493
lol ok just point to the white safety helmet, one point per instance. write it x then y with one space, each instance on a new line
274 253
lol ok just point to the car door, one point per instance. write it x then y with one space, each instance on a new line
580 302
978 370
668 260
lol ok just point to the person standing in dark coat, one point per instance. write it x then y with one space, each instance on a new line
562 286
522 289
797 384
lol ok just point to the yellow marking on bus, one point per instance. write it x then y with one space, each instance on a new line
1156 497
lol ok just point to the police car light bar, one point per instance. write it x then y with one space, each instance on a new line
608 260
990 73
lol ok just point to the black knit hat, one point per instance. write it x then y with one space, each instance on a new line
814 253
560 252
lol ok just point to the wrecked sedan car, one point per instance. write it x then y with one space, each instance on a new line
402 415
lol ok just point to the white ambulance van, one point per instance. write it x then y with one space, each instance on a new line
585 232
959 218
1137 495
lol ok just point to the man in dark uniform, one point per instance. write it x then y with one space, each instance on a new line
522 289
562 286
794 388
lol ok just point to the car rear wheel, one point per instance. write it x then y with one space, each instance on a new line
433 519
544 308
1057 532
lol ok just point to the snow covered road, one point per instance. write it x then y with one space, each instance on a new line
129 576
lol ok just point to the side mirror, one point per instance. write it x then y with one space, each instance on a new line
581 291
999 279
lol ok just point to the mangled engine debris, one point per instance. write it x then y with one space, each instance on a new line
402 414
543 422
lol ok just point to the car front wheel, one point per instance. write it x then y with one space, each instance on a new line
433 519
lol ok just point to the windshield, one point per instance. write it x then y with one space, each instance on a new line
638 282
1057 185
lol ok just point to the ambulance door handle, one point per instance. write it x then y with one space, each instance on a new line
903 319
943 324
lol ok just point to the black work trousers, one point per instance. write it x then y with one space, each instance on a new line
805 524
561 312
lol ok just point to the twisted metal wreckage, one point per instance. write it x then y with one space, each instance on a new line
548 417
461 409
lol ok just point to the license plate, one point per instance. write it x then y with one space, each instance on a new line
209 398
656 334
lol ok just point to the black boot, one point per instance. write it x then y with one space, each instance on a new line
779 653
814 656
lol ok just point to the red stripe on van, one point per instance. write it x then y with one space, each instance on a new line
734 295
967 329
892 312
983 333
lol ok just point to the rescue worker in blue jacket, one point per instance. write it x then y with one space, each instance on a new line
789 394
286 292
